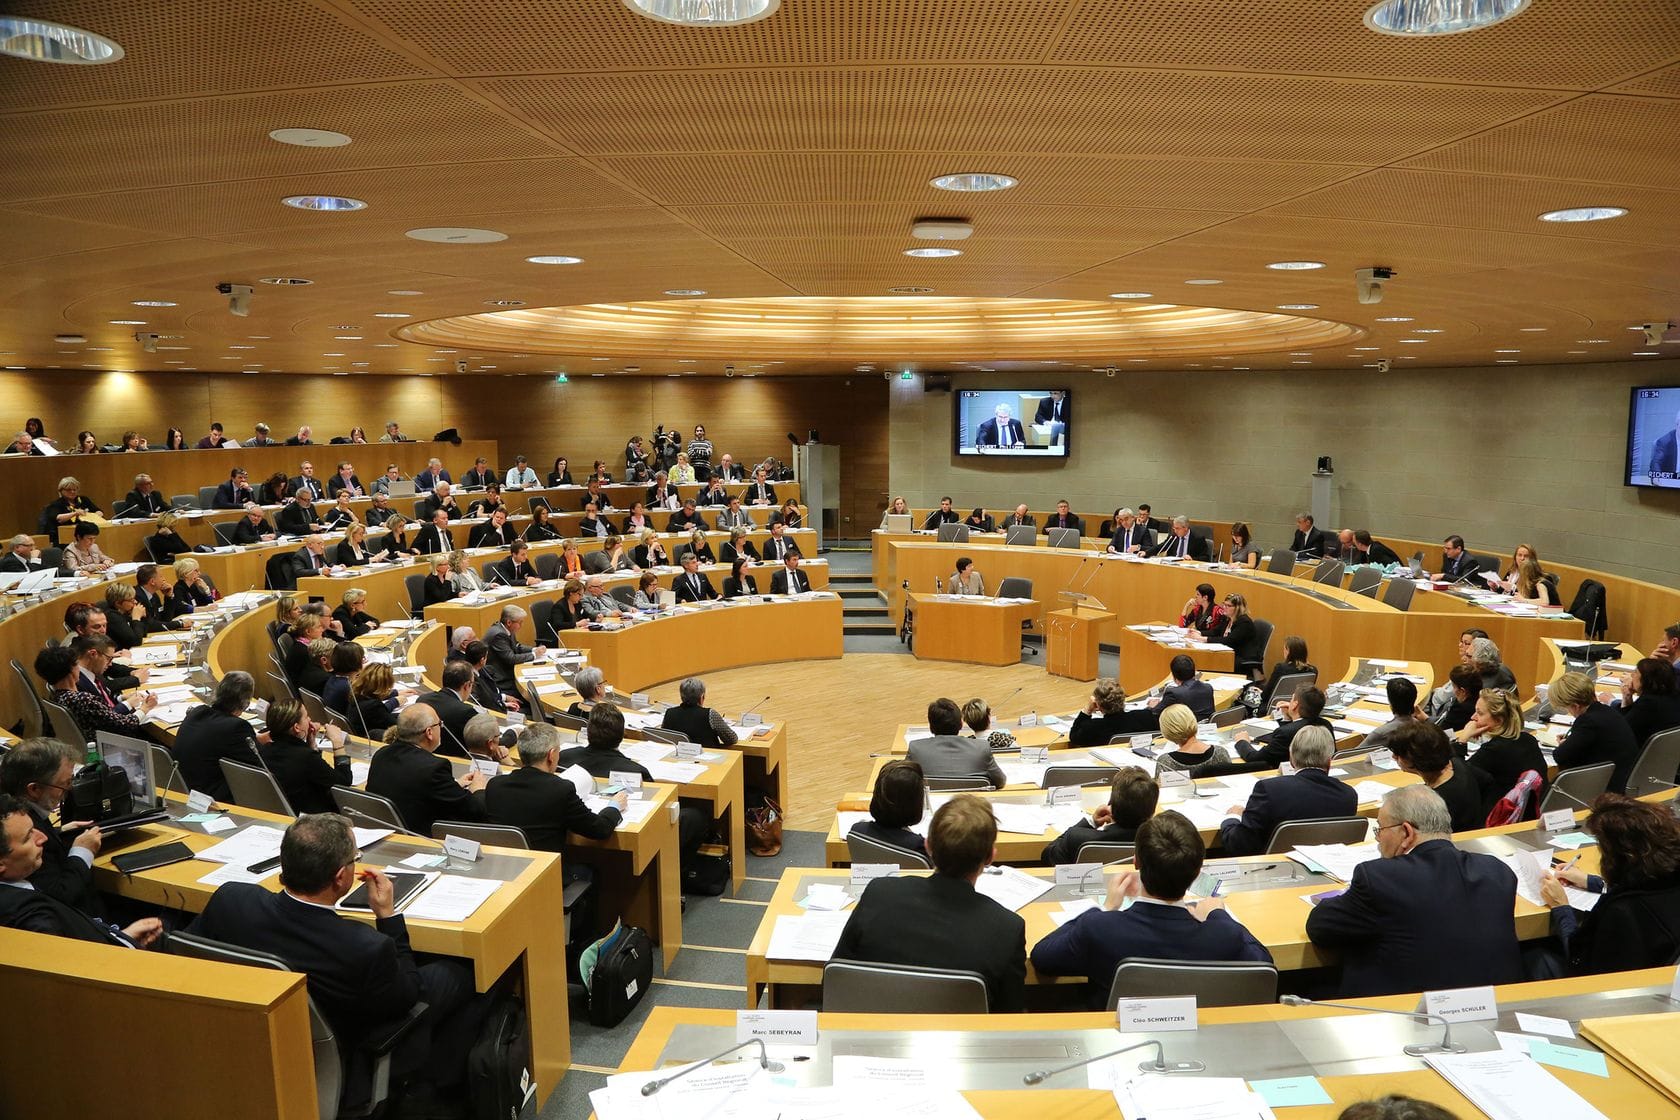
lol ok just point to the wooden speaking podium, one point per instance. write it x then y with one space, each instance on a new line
1072 637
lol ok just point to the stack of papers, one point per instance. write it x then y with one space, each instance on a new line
1370 793
1508 1085
1335 860
251 844
825 896
806 937
677 772
1068 911
451 898
1010 887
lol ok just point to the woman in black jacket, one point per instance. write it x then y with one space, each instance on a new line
1506 753
1105 717
1651 699
560 475
739 582
1598 733
1294 661
373 692
1237 630
303 775
438 588
166 544
1636 923
352 614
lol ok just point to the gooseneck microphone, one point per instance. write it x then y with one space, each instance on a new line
764 1063
1159 1065
1445 1046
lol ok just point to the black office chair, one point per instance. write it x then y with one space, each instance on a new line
1016 587
886 989
415 585
863 849
278 573
1398 593
224 531
1213 983
1281 562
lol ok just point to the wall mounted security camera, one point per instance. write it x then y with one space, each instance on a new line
1384 365
1369 282
460 365
729 371
239 298
1654 332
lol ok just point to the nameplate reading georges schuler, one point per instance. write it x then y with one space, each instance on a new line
1146 1016
796 1027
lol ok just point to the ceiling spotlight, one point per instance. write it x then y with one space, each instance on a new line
1131 295
910 290
284 281
1439 17
392 315
40 40
1583 214
128 322
504 303
404 292
683 292
1297 306
154 303
704 13
932 252
1204 281
973 181
554 260
1295 266
455 235
326 203
309 137
940 229
69 339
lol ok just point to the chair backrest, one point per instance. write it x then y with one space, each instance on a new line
1323 830
224 531
497 835
547 565
1105 851
1062 538
955 783
34 716
1487 563
1654 770
62 724
1286 686
1263 630
366 805
255 788
1398 593
1328 571
206 497
163 763
571 722
1281 562
1077 776
182 501
536 500
1591 606
314 705
625 595
1213 983
894 989
542 619
415 585
1576 788
1021 535
484 570
282 686
278 574
953 532
1365 580
1230 717
862 849
1015 587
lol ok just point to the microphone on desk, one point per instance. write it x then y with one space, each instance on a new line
1159 1065
1090 871
1445 1046
764 1063
380 822
1008 699
744 711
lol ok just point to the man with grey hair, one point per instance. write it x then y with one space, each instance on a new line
217 730
1426 916
591 686
1484 655
695 722
506 650
422 786
1181 544
543 805
38 772
1310 793
483 737
393 434
596 602
1310 542
24 556
311 558
142 501
1130 538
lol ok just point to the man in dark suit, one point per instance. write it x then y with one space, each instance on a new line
1456 561
1664 460
601 758
432 475
25 905
421 785
311 559
1310 542
1132 796
692 586
1158 924
944 515
142 501
151 592
695 722
1181 544
948 753
235 492
304 438
38 772
1197 695
506 650
686 519
300 518
1307 794
761 492
454 707
306 480
776 545
515 569
478 477
1369 551
345 479
1000 430
789 580
1052 409
442 498
25 556
661 495
728 470
715 495
1426 916
493 533
1131 537
940 920
361 977
1064 519
435 537
214 731
543 805
1304 709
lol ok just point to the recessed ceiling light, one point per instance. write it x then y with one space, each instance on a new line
1295 266
1531 330
1506 362
1507 351
1204 281
40 40
1367 348
555 260
1301 362
1439 17
384 346
681 292
1394 318
1574 351
347 338
910 290
456 235
688 361
326 203
1428 330
242 347
973 181
1591 341
1297 306
1131 295
1583 214
128 322
154 303
309 137
504 303
704 13
1413 341
933 252
392 315
332 355
1646 354
284 281
404 292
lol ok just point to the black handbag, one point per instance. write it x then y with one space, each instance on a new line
98 792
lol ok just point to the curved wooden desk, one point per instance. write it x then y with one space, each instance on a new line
979 630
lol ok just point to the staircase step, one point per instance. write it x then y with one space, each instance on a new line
856 614
851 578
885 629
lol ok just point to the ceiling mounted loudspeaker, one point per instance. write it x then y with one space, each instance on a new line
940 229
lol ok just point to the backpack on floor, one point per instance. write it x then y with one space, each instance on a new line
499 1081
617 972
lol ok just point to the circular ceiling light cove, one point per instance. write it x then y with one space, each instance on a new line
456 235
973 181
933 252
324 203
1411 19
309 137
40 40
704 13
1584 214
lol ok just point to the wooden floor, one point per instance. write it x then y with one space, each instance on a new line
839 713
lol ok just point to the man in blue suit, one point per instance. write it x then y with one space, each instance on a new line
1307 794
1156 923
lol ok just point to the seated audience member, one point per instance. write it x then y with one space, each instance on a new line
520 474
597 603
311 559
1484 655
896 807
947 754
290 755
601 758
696 722
1158 924
143 500
362 977
453 704
738 547
734 515
1132 797
788 579
647 592
650 553
372 700
1299 712
967 580
1636 921
1238 631
299 667
1129 537
777 546
515 569
739 581
686 519
1106 527
1426 916
38 772
463 575
1598 733
1402 706
1466 685
1310 542
479 476
979 521
1533 587
716 496
1018 517
541 527
66 509
682 471
275 490
543 805
1650 700
60 669
1189 753
1181 544
761 492
25 906
83 556
351 552
299 519
125 618
693 585
485 693
940 920
1368 551
235 493
422 786
977 716
253 528
1502 752
352 614
166 545
1295 660
1308 794
788 515
590 684
217 730
1197 695
506 650
697 545
1202 613
1457 564
153 594
1669 648
345 481
488 503
1105 716
1424 749
1244 553
438 587
346 661
396 541
898 506
23 557
1065 518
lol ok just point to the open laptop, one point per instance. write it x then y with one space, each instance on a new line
402 488
900 523
135 758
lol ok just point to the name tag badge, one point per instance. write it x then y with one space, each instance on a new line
796 1027
1062 795
863 873
1073 875
1028 720
461 848
627 780
486 766
751 719
688 750
1035 754
639 699
1382 757
199 802
1146 1016
1462 1005
1142 740
1558 820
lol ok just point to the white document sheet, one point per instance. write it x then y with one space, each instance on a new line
806 937
1011 887
451 898
1511 1086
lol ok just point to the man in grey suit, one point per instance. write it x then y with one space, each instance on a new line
735 517
950 755
1019 517
506 650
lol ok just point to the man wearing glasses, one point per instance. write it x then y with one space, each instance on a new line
38 773
422 786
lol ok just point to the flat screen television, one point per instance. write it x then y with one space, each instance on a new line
1013 423
1653 432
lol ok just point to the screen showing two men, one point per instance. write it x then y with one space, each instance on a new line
1653 435
1024 422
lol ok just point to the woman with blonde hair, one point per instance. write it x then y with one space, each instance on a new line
373 692
1518 555
698 545
352 614
681 473
898 506
192 587
617 559
1178 727
1533 586
650 553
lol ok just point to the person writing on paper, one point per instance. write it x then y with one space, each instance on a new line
1597 735
966 580
25 906
695 722
1001 430
895 808
422 786
1636 921
1132 797
1424 917
1424 749
1308 794
1244 554
948 753
1160 923
940 920
543 805
1188 753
